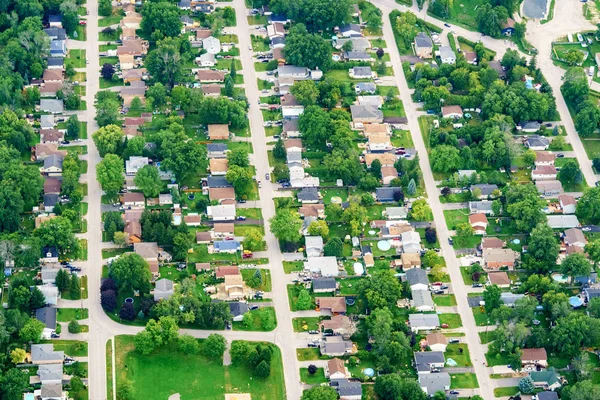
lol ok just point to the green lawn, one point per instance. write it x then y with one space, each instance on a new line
455 217
192 374
453 320
252 213
481 318
108 21
257 320
310 354
77 58
464 13
496 359
71 348
445 300
266 278
462 359
292 266
293 291
506 391
311 323
486 337
109 369
68 314
315 379
108 253
467 380
402 139
467 275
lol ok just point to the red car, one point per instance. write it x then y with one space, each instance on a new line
445 326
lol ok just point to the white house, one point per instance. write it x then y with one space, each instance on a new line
417 279
206 60
314 246
452 112
447 55
567 203
224 212
212 45
423 322
411 242
134 164
421 300
50 293
325 266
544 173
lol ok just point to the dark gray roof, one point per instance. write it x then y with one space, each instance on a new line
366 86
184 4
278 40
54 18
53 160
547 395
424 359
415 276
434 382
50 200
366 249
238 308
592 293
530 125
290 125
386 193
58 33
474 301
345 387
537 141
308 194
216 147
357 55
53 251
486 189
186 19
324 283
350 27
218 181
45 352
423 40
362 71
47 315
55 61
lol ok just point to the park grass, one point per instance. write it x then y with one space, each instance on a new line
466 380
453 320
69 314
257 320
315 379
71 348
109 370
445 300
192 374
311 323
506 391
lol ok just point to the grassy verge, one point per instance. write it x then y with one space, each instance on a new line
69 314
506 391
467 380
315 379
109 370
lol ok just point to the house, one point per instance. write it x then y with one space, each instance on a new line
133 75
336 346
375 129
324 285
134 200
411 242
126 62
51 136
223 230
361 56
203 237
410 261
50 293
437 342
470 57
423 322
47 316
423 45
510 299
47 121
537 143
218 166
50 391
165 199
56 33
497 66
563 221
350 30
479 223
211 90
575 237
548 395
150 252
312 210
339 325
52 106
53 165
485 190
360 73
50 200
218 131
433 383
365 88
447 55
366 114
44 150
422 300
293 72
567 203
395 213
227 246
547 379
163 289
533 358
207 75
134 164
347 390
49 272
481 207
237 310
222 272
591 293
48 374
53 75
222 195
544 158
508 29
335 369
56 62
217 150
45 354
314 246
224 212
379 143
133 230
290 128
309 195
455 112
499 258
387 194
544 173
549 188
52 186
206 60
49 255
58 48
386 159
499 278
234 286
358 43
293 145
335 305
528 126
429 361
417 279
324 266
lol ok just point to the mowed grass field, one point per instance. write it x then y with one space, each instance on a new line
167 371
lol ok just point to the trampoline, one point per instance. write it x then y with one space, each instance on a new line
336 200
129 300
372 232
516 241
384 245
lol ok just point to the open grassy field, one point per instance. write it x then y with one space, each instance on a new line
192 374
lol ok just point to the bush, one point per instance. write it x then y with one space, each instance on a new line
312 369
108 299
263 369
127 312
74 327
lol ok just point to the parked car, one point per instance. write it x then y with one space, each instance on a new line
240 218
447 25
267 177
313 332
54 335
313 345
453 341
560 155
445 326
438 292
254 307
475 285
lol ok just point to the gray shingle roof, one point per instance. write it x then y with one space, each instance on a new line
423 40
218 181
434 382
424 359
47 315
324 283
45 352
238 308
308 194
416 276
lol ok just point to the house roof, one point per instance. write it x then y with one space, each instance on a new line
336 365
346 388
499 278
388 172
499 256
164 285
52 185
218 131
417 276
335 304
478 219
47 315
208 75
510 299
567 200
325 265
50 372
544 156
574 235
548 376
549 186
53 75
446 52
324 283
423 40
203 237
424 359
401 212
314 242
51 390
146 249
238 308
547 395
362 71
311 210
386 193
434 383
362 112
366 86
447 110
221 193
216 147
538 354
436 338
226 245
234 280
484 205
335 345
544 170
308 194
53 160
422 298
45 352
357 55
423 320
291 143
486 189
223 271
51 105
50 200
217 181
223 227
562 221
211 89
133 197
133 228
337 322
225 210
537 141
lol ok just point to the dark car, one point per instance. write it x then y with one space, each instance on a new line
313 345
560 155
450 241
438 292
454 392
447 25
66 142
254 307
240 218
54 336
477 285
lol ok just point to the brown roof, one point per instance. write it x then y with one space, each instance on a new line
133 74
492 243
336 365
411 259
133 228
203 33
210 76
572 249
499 278
131 121
574 235
289 143
202 266
470 56
131 131
133 90
544 170
221 272
496 258
510 23
125 58
218 131
46 149
436 338
311 210
190 219
135 47
132 215
337 322
544 156
477 218
53 75
221 193
153 264
51 135
289 100
371 129
389 171
278 53
567 199
335 304
218 165
128 33
52 185
51 87
211 89
451 110
223 227
130 197
203 237
534 354
384 158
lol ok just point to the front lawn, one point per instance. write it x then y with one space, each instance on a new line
456 217
293 266
265 274
293 292
453 320
506 391
191 374
495 359
316 379
71 348
259 321
445 300
481 317
310 354
459 352
109 253
467 380
68 314
250 213
310 323
468 276
77 58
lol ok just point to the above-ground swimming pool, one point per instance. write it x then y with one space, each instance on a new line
369 371
384 245
560 278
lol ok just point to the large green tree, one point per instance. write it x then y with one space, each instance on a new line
108 139
130 272
307 50
148 181
109 173
58 232
588 206
542 250
164 62
286 225
161 16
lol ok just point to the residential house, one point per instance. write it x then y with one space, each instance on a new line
350 30
52 186
218 166
211 90
324 266
58 48
386 159
417 279
563 221
479 223
335 369
53 106
134 200
361 73
379 143
203 237
43 354
427 362
290 108
470 57
532 358
51 136
276 29
411 242
165 199
209 76
134 164
591 293
312 210
206 60
221 213
278 42
222 195
237 310
547 395
47 121
575 237
338 325
537 143
43 150
544 173
47 316
290 128
528 126
365 88
56 62
423 45
387 194
223 271
433 383
454 112
49 272
292 71
133 231
217 150
53 75
227 246
544 158
549 188
218 131
324 285
50 293
49 255
395 212
336 346
150 252
366 114
134 75
347 390
50 201
223 230
547 379
481 207
360 56
358 43
308 195
334 305
163 289
410 261
437 342
314 246
423 322
53 165
126 62
494 258
499 278
234 286
422 300
48 374
56 33
485 190
293 145
510 299
567 203
508 28
447 55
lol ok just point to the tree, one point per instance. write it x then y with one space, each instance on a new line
263 369
314 124
239 157
576 264
587 118
526 385
109 173
130 272
17 356
588 206
543 248
108 300
125 391
389 387
13 383
490 19
164 63
575 87
320 393
464 229
57 232
420 210
241 179
214 347
253 240
304 301
113 222
74 327
306 50
32 331
570 173
312 369
305 92
381 290
285 225
491 296
62 280
333 247
162 17
107 109
107 71
179 154
240 351
75 286
319 228
73 127
108 139
445 158
158 94
148 181
584 390
188 344
127 312
279 149
525 206
104 8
